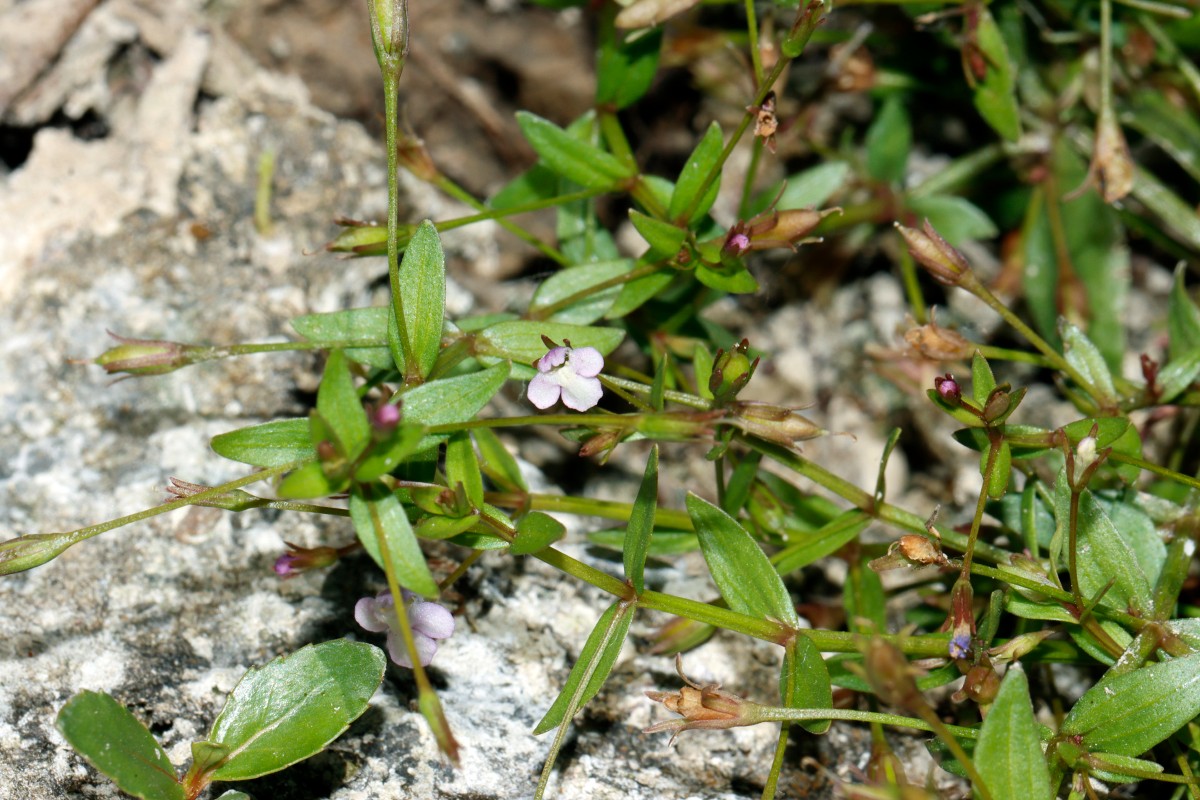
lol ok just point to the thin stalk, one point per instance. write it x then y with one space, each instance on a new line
752 32
391 105
751 171
995 440
912 287
454 190
780 714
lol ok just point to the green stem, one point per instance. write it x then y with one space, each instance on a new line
391 105
683 398
752 31
454 190
995 440
780 714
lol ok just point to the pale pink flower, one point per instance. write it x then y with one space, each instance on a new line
569 372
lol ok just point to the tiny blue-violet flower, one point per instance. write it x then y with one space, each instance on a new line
569 372
429 622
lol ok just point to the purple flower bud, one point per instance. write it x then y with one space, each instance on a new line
387 416
948 389
301 559
960 645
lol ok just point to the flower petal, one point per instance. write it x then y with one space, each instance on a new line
544 389
580 393
373 613
555 358
432 620
426 649
586 362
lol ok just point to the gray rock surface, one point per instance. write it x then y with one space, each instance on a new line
148 232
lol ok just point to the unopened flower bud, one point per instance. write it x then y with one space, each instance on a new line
389 33
299 559
944 263
1017 647
32 550
773 423
386 417
1112 166
148 356
731 371
414 157
948 389
807 20
961 622
982 684
234 500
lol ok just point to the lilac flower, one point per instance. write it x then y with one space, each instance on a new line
570 372
429 621
960 645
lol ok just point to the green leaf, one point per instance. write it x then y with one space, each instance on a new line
451 400
1183 320
119 745
888 141
735 280
271 444
1103 554
626 64
664 543
995 94
1086 358
982 380
536 531
422 300
1135 711
497 463
1151 114
1008 754
602 647
337 329
340 408
570 282
294 706
639 291
641 524
1001 471
521 340
664 238
695 172
404 440
308 482
462 466
1178 375
740 569
1094 242
534 184
804 681
956 219
378 516
824 541
810 188
573 159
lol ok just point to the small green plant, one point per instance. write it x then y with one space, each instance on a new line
1081 538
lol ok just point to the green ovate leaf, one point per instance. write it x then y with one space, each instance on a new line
462 467
378 515
521 340
956 219
738 565
115 742
625 65
536 531
602 647
810 188
1008 754
573 159
1183 320
572 281
995 93
452 400
339 329
1104 554
889 140
271 444
641 524
982 379
804 681
1135 711
1093 240
423 299
826 540
664 238
1086 358
340 408
497 463
686 198
294 706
